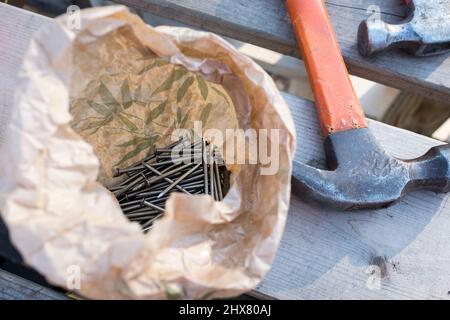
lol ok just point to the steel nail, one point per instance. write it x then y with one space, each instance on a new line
217 180
181 151
128 186
205 167
140 210
131 208
140 219
196 184
114 188
168 173
149 224
173 144
166 179
211 173
131 178
148 158
151 205
142 214
178 180
119 171
198 177
196 143
181 160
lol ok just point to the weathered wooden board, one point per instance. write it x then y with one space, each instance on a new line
265 23
16 28
13 287
326 254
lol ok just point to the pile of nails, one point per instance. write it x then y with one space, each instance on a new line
191 168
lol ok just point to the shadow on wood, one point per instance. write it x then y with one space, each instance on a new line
328 253
265 23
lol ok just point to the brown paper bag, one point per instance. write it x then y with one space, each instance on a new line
106 95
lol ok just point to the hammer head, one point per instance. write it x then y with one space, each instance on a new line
362 175
426 30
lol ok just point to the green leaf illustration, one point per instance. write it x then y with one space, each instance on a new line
108 99
149 55
131 142
202 87
139 148
96 125
127 100
205 113
184 87
155 113
99 108
127 122
167 84
220 93
179 115
157 63
138 96
185 118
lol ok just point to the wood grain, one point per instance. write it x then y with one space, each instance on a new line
265 23
13 287
327 254
324 254
16 29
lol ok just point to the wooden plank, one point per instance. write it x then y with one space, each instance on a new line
13 287
265 23
16 29
327 254
375 98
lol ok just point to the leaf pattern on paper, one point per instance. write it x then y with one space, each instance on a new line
138 96
136 112
127 99
111 109
155 113
202 87
129 143
182 123
96 125
154 64
140 144
176 75
205 114
100 108
108 99
184 87
220 93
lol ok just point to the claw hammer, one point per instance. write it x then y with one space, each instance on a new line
360 173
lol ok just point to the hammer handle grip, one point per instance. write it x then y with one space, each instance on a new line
337 105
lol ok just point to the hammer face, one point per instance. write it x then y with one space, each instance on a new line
363 176
431 21
425 32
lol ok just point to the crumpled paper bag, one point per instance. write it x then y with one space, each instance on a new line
70 228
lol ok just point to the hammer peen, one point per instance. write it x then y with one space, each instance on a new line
361 174
425 31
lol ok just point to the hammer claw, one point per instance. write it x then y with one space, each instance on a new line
364 176
361 174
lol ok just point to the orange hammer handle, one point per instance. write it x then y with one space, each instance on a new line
337 105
